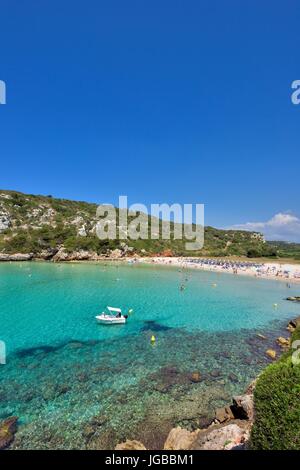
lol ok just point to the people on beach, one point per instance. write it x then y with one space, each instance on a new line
266 270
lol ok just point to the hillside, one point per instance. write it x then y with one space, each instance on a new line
43 225
286 249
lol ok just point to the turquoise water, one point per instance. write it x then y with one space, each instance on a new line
77 384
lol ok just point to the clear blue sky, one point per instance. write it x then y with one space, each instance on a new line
165 101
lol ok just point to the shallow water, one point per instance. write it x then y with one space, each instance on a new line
76 384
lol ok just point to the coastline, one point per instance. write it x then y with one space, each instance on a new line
280 270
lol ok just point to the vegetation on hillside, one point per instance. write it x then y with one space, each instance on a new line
277 405
286 249
31 223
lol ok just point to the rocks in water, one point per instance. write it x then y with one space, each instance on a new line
293 299
99 420
8 428
260 336
283 342
248 360
162 387
243 407
88 431
82 377
62 389
195 377
293 324
75 344
93 426
233 378
226 355
223 414
130 445
228 437
229 430
49 393
271 353
180 439
167 377
215 373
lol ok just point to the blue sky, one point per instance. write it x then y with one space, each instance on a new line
164 101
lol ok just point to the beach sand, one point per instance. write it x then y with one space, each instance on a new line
282 271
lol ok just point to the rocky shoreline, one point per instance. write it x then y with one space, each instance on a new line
60 254
231 427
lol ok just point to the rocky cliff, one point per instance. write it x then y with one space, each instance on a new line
59 229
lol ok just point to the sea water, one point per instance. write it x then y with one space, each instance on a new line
77 384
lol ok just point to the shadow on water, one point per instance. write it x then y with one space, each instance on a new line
151 325
46 349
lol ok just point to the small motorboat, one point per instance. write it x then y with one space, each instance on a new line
114 317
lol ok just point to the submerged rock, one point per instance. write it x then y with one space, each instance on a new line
283 342
130 445
271 353
88 431
233 378
226 355
260 336
195 377
167 377
93 426
215 373
293 299
8 428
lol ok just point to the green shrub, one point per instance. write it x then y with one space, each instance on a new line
277 406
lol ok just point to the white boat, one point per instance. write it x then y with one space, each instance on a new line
114 317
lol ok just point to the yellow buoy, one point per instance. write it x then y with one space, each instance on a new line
214 285
275 305
130 310
153 339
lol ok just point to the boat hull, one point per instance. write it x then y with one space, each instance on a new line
110 321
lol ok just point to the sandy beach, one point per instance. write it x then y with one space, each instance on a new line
286 272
